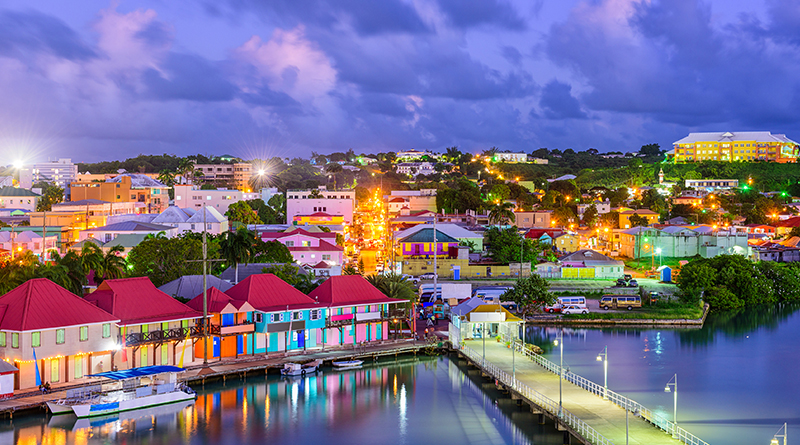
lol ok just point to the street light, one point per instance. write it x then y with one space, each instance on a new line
560 343
775 437
674 383
658 251
603 357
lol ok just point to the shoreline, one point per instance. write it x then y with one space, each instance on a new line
676 322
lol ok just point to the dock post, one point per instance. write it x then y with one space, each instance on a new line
567 438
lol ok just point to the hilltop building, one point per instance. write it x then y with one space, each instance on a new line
745 146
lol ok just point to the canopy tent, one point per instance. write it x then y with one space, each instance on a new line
137 372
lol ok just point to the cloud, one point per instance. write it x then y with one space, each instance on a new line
558 103
25 33
188 77
512 55
466 14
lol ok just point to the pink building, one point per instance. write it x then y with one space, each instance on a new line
357 312
309 247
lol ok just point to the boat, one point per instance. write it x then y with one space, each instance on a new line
162 414
74 396
130 389
348 363
293 369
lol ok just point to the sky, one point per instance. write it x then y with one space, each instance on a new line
97 80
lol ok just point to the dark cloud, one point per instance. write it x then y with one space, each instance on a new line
155 34
368 17
558 103
264 96
467 14
512 55
25 33
188 77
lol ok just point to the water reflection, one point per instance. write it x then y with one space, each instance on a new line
414 401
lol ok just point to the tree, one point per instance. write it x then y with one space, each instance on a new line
503 245
51 194
349 269
334 169
590 216
164 260
270 252
650 150
502 213
185 170
610 219
237 247
794 232
499 192
637 220
266 213
453 154
241 212
529 294
695 277
394 286
564 216
290 273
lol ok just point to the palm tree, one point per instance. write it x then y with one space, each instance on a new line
333 169
185 169
236 247
453 154
167 177
67 271
393 286
112 265
502 212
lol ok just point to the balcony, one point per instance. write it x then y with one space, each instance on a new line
161 336
337 321
240 328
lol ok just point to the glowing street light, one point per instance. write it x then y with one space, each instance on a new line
560 343
603 357
775 437
674 383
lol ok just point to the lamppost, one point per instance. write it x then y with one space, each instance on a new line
560 343
674 383
603 357
775 437
658 251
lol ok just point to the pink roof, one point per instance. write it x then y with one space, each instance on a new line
321 265
319 214
298 231
41 304
217 301
268 293
138 301
349 290
323 247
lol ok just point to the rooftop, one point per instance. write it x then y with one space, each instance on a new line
747 136
13 191
137 301
349 290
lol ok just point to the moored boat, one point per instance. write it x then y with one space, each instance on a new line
294 369
348 363
130 389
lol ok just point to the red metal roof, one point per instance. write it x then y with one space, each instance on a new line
41 304
138 301
791 222
323 247
217 301
268 293
349 290
297 231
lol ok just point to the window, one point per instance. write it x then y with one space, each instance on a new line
297 315
275 318
289 243
15 340
36 339
59 336
106 330
84 333
326 257
306 243
3 339
316 314
258 317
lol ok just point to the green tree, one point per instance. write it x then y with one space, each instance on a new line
51 194
564 216
349 269
499 192
650 150
590 216
290 273
334 170
502 213
270 252
504 244
394 286
237 248
637 221
695 277
164 260
529 294
240 212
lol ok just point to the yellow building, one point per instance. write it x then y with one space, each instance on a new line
747 146
625 217
568 242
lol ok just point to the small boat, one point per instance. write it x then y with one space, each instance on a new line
293 369
348 364
130 389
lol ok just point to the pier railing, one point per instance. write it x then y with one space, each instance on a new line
544 402
623 402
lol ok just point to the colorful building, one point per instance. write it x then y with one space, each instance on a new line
746 146
310 248
625 217
318 219
357 312
19 198
421 244
67 335
231 324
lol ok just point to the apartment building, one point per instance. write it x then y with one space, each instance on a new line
745 146
309 202
192 197
60 172
150 195
236 175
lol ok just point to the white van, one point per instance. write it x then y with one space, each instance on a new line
562 302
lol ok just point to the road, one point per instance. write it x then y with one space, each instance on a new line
601 285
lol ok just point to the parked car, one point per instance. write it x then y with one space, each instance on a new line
575 310
553 309
633 283
627 277
427 276
411 279
621 282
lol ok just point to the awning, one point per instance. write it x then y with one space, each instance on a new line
137 372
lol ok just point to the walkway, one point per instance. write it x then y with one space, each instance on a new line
606 417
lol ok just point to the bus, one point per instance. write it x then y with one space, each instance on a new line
566 301
620 301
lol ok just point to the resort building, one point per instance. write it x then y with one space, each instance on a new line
153 328
357 312
45 327
746 146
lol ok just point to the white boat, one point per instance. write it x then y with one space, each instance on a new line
132 389
348 364
74 396
292 369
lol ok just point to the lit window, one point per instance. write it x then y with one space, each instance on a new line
84 333
106 330
59 336
36 339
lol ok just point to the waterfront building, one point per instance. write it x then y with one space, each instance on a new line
285 318
474 319
583 264
71 337
231 324
19 198
332 202
746 146
357 312
153 328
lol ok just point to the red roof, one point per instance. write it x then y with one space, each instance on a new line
41 304
323 247
297 231
537 233
268 293
217 301
138 301
321 265
349 290
319 214
791 222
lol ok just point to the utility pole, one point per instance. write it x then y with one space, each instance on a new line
205 291
435 251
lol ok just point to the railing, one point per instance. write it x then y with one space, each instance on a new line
581 427
394 314
175 334
623 402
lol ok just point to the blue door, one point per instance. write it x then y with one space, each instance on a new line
216 347
239 344
301 339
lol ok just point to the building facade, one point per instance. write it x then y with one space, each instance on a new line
236 175
747 146
19 198
332 202
60 172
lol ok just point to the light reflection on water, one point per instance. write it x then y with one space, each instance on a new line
416 401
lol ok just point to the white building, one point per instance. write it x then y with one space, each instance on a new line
415 168
188 196
410 155
602 207
511 157
332 202
18 198
411 200
60 172
189 220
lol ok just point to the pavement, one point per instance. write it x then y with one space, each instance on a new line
598 285
602 415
